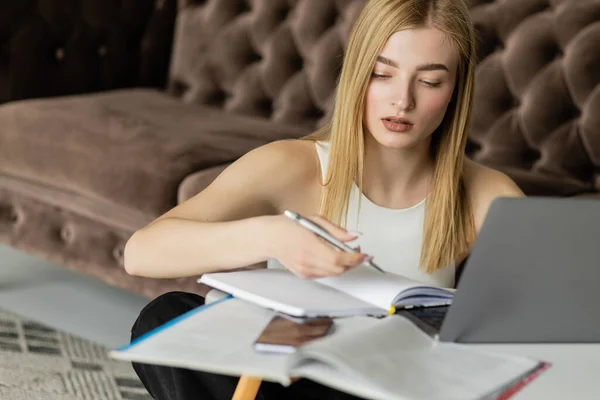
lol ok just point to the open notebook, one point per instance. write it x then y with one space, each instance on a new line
377 358
360 291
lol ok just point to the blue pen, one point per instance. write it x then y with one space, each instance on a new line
321 232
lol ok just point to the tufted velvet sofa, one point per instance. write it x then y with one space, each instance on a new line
113 112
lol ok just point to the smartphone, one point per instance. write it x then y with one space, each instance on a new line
284 336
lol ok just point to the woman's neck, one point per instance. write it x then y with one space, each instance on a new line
396 178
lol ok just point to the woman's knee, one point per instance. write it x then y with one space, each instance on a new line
163 309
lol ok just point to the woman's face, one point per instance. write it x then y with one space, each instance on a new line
410 87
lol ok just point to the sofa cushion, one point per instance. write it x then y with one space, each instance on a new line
131 148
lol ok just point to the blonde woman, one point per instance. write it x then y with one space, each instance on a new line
390 164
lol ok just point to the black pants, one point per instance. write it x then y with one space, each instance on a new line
167 383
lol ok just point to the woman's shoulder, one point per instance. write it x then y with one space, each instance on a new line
294 170
296 156
484 184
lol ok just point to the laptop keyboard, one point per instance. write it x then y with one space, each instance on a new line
432 316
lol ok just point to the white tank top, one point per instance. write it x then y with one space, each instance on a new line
392 236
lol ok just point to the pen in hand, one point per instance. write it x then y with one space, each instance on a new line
322 233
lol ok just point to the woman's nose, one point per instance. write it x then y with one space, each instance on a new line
404 99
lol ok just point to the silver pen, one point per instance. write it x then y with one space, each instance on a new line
322 232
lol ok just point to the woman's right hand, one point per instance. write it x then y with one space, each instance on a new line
307 255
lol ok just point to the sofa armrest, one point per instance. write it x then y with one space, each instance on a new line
71 47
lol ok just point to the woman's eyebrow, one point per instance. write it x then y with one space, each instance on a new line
423 67
432 67
387 61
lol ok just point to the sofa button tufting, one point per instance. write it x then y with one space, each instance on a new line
59 54
9 214
558 54
118 255
66 234
13 217
159 4
102 51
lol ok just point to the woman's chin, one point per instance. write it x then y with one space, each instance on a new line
396 141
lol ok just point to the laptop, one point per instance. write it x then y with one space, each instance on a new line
533 275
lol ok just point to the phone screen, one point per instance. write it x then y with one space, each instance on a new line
282 335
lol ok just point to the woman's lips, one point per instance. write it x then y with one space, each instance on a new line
397 125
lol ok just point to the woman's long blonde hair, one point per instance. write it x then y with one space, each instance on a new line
448 227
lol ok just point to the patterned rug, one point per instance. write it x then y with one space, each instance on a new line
40 363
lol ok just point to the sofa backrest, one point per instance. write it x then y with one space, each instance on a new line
537 103
536 113
277 59
61 47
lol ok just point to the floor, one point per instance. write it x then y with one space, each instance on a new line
64 300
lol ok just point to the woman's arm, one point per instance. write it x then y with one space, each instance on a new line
235 222
177 247
223 227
